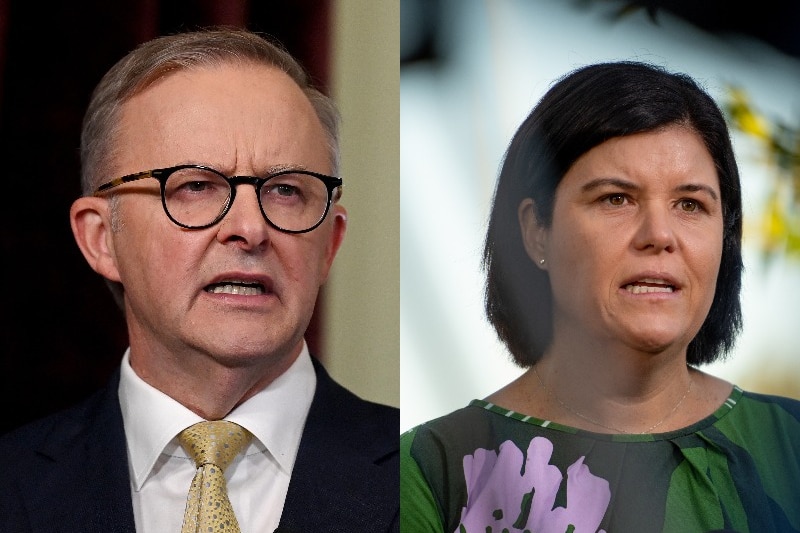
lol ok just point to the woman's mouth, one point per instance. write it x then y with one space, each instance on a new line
649 285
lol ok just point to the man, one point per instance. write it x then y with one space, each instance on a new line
210 206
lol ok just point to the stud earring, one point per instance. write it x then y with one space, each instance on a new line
541 262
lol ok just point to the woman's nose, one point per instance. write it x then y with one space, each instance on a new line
656 230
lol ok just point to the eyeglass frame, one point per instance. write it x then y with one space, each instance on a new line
162 174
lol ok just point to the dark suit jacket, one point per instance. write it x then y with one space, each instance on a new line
69 472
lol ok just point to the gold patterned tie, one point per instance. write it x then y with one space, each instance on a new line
212 445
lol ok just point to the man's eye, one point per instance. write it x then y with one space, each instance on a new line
196 186
285 190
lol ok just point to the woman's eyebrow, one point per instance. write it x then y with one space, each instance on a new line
697 187
630 186
609 182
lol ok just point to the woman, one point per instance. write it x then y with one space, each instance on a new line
613 260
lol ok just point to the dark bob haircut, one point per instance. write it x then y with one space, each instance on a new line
585 108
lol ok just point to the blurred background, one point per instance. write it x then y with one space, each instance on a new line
471 70
60 332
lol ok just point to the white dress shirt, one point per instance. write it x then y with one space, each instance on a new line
161 471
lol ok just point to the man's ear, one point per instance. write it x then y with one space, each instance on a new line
90 219
339 215
534 234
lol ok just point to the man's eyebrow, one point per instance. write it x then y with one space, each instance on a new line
284 166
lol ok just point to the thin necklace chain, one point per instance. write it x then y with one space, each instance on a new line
612 428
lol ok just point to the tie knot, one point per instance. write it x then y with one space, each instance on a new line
216 442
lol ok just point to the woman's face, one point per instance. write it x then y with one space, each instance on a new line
636 240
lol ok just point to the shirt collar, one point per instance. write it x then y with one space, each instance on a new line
275 416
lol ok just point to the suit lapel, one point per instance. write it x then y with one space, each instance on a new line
337 480
339 483
88 489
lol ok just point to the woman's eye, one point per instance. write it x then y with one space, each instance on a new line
616 199
689 205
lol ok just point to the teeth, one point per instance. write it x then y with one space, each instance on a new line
230 288
653 280
643 289
649 285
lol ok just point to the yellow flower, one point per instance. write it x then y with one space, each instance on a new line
744 117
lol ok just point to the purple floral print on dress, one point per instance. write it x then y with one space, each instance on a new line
501 486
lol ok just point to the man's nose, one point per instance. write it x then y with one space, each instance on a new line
245 222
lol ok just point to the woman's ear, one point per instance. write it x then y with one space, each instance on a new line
90 219
534 234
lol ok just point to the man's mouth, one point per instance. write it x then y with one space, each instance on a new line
649 285
236 287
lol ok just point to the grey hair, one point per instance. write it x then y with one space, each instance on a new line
168 54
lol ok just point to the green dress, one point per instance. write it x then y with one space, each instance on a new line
485 469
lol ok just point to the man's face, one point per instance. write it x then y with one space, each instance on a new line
240 120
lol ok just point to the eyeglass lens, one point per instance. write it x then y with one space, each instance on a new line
198 197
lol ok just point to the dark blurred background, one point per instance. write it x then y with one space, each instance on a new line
61 334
